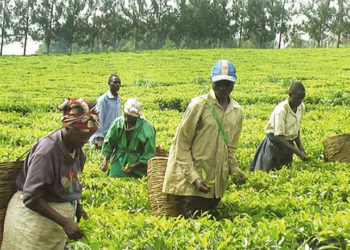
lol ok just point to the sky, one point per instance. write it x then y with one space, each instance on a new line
17 49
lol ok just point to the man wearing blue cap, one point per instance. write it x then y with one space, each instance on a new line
201 156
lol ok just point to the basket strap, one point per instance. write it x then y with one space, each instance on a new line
20 158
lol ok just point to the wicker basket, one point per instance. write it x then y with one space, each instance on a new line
337 148
160 203
2 218
161 152
8 174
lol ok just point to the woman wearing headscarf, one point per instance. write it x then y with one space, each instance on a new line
129 143
41 213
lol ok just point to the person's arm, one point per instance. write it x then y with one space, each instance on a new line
69 226
81 212
104 164
298 140
280 127
102 130
239 177
40 174
284 143
300 147
130 167
103 118
150 144
149 149
299 144
232 147
185 136
109 144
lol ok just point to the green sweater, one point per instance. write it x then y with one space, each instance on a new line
141 148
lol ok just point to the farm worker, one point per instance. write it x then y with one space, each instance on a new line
201 156
282 130
41 213
109 107
129 143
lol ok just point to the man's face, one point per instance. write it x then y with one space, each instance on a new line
296 98
223 88
114 85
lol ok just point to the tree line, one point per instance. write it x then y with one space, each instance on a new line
66 26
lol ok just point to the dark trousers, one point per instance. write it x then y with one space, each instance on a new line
194 206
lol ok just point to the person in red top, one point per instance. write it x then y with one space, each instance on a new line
41 213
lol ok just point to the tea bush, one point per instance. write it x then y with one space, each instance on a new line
304 206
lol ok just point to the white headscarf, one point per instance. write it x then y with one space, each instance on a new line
132 107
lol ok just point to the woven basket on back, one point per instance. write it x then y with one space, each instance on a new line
337 148
8 174
160 203
161 152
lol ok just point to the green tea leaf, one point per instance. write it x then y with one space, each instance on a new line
204 174
212 182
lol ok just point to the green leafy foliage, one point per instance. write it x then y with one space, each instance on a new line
304 206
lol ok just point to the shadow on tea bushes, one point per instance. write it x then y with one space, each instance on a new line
150 83
175 103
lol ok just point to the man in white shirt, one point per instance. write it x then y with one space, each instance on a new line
282 130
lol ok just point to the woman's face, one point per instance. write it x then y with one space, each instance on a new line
130 120
77 138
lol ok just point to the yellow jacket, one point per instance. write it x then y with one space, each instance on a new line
197 145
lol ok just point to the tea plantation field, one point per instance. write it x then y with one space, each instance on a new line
302 207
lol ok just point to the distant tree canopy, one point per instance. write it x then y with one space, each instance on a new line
68 26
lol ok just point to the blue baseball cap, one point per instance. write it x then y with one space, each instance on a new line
223 70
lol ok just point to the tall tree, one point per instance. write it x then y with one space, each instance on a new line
200 22
23 21
113 25
74 24
239 17
221 17
5 22
136 13
160 11
181 23
260 28
342 20
295 37
319 16
94 23
282 13
46 21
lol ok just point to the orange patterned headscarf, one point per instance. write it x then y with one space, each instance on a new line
78 115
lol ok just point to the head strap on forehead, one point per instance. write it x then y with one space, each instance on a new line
77 114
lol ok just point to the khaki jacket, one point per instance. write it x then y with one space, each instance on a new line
197 145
